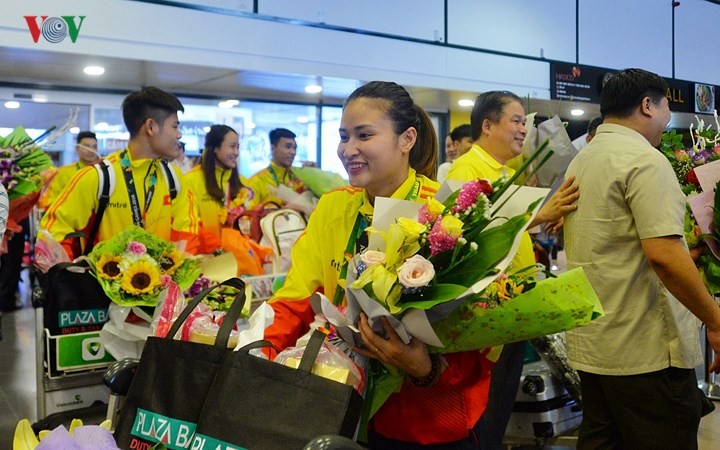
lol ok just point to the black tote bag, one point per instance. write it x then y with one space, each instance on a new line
258 404
172 381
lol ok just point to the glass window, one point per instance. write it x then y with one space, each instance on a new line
330 139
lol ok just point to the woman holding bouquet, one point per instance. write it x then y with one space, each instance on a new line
389 149
222 195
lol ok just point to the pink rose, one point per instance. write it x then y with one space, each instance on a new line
372 257
416 272
136 248
165 279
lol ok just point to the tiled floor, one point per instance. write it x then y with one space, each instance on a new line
18 391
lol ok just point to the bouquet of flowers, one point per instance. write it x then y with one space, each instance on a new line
705 148
698 171
134 266
77 436
428 273
233 211
218 300
23 163
24 169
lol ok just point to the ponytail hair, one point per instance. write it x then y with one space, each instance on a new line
404 113
213 140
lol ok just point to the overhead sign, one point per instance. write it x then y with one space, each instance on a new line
579 83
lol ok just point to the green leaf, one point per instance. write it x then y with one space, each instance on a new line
432 296
493 245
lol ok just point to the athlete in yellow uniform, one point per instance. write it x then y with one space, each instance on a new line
141 195
283 148
87 151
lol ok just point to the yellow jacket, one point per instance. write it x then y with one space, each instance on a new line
477 163
74 209
264 182
58 183
212 212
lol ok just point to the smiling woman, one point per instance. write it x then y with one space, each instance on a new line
389 148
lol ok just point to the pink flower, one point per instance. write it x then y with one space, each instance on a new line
469 193
440 239
681 155
165 279
136 248
425 216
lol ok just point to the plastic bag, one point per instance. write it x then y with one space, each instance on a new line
48 251
250 255
331 363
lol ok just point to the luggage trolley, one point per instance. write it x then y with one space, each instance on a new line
69 358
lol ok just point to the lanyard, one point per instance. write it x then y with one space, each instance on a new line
358 242
288 174
138 216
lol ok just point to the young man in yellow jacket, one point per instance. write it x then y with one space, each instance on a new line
87 150
142 192
264 183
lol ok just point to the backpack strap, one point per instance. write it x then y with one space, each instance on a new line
171 179
106 186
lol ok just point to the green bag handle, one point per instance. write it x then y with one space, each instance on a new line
223 336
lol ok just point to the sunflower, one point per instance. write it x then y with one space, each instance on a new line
169 262
140 278
109 266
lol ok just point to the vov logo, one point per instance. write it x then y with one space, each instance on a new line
54 29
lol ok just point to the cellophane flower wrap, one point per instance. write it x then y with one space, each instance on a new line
134 266
25 169
698 171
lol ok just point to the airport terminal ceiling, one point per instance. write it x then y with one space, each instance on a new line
42 69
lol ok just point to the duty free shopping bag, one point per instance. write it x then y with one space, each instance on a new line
172 381
258 404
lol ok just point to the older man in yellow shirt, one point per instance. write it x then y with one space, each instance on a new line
498 131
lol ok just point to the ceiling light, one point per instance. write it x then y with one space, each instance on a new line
12 104
465 102
206 129
227 104
75 130
102 126
39 98
303 119
313 89
577 112
94 70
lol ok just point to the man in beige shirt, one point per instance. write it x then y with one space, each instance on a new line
636 363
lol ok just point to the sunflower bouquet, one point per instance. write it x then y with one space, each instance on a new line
134 266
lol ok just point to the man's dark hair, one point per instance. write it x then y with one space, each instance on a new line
279 133
148 103
489 105
623 92
592 126
85 134
460 132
